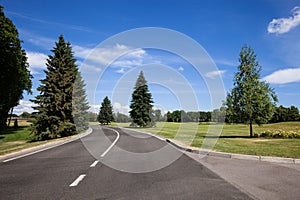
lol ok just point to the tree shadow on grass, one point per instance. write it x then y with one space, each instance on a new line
11 130
227 136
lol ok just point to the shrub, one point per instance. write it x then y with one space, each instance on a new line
281 134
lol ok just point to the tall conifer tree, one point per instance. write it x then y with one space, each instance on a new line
141 103
58 92
105 114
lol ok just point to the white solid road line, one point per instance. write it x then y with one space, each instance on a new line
94 163
76 182
116 140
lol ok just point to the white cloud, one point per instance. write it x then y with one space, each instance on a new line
24 106
181 69
126 56
36 61
284 76
87 67
124 109
214 74
121 71
94 108
284 25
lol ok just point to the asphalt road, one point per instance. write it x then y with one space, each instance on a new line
138 166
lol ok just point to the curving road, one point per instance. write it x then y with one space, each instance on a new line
137 166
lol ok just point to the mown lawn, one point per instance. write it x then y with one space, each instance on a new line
14 139
233 139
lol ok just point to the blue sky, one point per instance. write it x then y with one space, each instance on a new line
271 28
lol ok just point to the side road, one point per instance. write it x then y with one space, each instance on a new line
51 144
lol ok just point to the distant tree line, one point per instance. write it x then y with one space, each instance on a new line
283 114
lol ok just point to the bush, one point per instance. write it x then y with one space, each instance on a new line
281 134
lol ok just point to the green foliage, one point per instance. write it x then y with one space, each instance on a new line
62 100
80 104
157 116
15 76
25 115
280 134
251 100
121 118
92 117
283 114
106 113
182 116
141 103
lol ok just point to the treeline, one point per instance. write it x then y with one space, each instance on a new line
281 114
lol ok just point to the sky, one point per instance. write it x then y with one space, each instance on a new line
110 65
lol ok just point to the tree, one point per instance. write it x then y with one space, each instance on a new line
119 117
15 76
25 115
80 104
141 103
157 115
61 96
106 113
251 100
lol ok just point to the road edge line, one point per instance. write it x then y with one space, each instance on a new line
44 147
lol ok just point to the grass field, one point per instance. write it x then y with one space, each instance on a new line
233 138
14 139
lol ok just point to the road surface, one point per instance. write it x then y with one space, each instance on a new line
93 168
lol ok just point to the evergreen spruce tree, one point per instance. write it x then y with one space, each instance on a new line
106 113
80 104
14 74
55 102
251 100
141 103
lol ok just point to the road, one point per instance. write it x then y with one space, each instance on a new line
91 168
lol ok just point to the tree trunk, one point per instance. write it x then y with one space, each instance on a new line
251 129
11 112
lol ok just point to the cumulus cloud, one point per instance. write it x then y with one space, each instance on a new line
88 67
284 25
36 61
126 56
181 69
94 108
214 74
284 76
119 108
24 106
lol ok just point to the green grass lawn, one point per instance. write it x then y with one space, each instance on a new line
14 139
233 139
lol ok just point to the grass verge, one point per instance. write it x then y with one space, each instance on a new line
16 139
233 139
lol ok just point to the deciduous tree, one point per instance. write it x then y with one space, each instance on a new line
15 76
251 100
